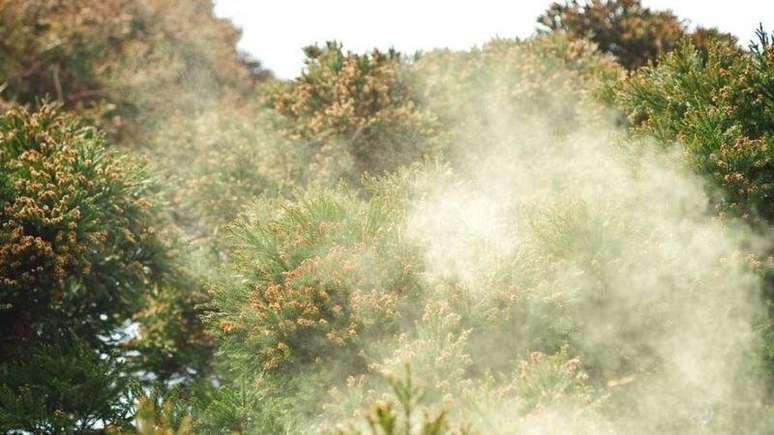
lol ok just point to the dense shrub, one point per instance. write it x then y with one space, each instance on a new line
171 343
561 275
78 240
311 281
358 113
153 74
316 277
63 388
721 108
78 250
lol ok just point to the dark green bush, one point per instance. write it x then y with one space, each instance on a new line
63 388
78 252
78 240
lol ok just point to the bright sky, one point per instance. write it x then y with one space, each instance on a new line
275 31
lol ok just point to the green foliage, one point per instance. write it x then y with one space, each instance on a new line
316 276
541 381
634 34
63 388
80 254
78 240
218 162
152 419
360 108
152 74
240 407
172 344
330 291
545 379
721 108
233 408
147 426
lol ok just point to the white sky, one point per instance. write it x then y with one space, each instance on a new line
275 31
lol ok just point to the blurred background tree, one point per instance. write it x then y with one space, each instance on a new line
634 34
126 64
